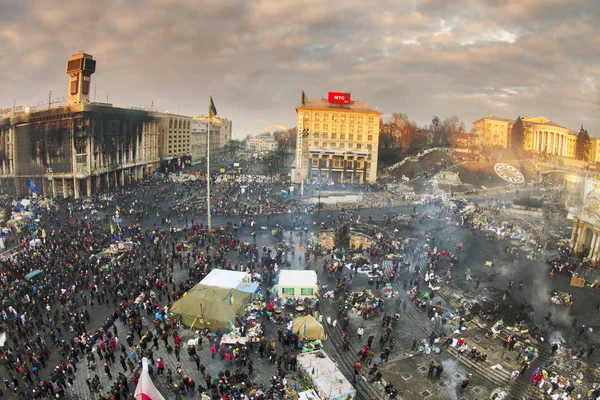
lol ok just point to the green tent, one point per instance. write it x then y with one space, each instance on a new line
210 307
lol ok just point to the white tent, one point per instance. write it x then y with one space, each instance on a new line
325 375
224 278
298 284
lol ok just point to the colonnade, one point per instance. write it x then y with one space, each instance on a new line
551 143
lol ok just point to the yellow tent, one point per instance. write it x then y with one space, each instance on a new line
307 327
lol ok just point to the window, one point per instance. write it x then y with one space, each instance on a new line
359 146
360 128
289 291
325 126
351 128
343 118
324 135
371 119
359 138
316 143
180 124
370 129
325 116
342 127
342 135
332 145
170 124
317 116
334 135
334 127
370 138
316 135
359 119
351 136
369 147
351 118
350 145
306 291
316 126
334 117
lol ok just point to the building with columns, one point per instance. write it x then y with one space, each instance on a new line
585 238
540 136
544 136
337 140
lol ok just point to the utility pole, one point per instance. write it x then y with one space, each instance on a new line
49 98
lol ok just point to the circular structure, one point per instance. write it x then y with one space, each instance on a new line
509 173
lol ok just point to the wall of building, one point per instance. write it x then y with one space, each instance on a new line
79 150
342 145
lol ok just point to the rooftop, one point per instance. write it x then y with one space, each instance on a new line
323 104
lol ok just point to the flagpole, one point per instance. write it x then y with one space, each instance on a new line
208 165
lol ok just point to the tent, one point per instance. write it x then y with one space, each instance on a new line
298 284
210 307
231 280
307 327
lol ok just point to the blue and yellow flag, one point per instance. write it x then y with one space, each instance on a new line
212 110
230 298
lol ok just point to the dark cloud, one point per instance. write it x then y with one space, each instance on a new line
419 57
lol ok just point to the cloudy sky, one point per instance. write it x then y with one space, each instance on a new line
420 57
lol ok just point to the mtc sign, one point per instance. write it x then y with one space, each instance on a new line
339 98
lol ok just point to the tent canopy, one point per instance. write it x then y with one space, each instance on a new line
210 307
231 280
307 327
224 278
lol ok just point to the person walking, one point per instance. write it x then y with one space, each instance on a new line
465 383
359 332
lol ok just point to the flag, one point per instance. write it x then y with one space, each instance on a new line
230 298
31 185
112 230
212 110
145 389
231 327
304 333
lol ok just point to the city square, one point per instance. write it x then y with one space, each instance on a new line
290 206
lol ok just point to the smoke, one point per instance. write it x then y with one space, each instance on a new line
452 367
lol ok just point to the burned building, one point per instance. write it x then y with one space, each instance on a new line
79 149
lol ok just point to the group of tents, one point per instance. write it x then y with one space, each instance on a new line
214 307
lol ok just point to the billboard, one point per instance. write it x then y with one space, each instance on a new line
338 98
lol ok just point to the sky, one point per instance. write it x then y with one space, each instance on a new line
469 58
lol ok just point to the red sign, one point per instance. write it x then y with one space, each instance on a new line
339 98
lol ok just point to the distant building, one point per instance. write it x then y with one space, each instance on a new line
540 136
175 145
263 142
220 135
492 132
337 140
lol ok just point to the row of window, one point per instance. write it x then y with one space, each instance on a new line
334 128
334 135
179 124
341 145
341 117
